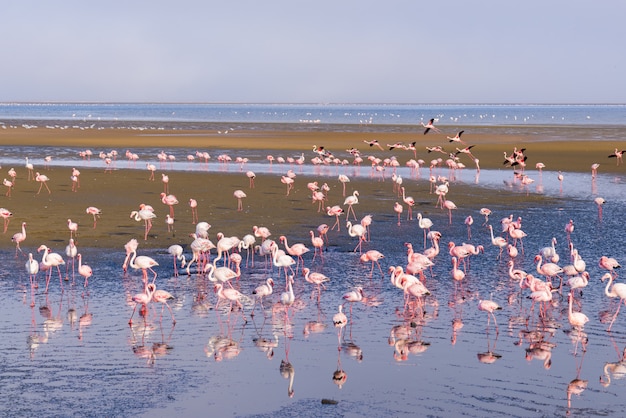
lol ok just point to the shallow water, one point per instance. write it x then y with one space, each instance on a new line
390 363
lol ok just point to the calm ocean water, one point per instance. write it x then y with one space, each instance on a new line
202 116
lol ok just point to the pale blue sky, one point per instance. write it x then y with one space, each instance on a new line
319 51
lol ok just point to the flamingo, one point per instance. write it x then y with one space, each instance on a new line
410 202
144 263
351 200
177 252
261 232
83 269
450 205
576 319
95 212
549 270
373 256
609 263
569 228
239 195
296 250
73 227
30 168
287 298
9 186
318 245
19 237
318 279
600 202
356 230
6 215
430 126
425 224
162 296
468 222
193 204
251 176
617 154
283 260
457 275
142 299
355 295
456 138
489 306
485 212
146 216
130 247
339 321
70 251
43 181
49 260
497 241
617 291
344 179
335 211
397 207
261 291
169 200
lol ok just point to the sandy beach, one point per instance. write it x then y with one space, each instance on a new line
121 190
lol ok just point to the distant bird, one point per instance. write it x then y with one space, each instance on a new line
430 125
374 143
95 212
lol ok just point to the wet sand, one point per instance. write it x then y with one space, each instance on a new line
119 192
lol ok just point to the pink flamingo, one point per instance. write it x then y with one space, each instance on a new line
609 263
425 224
373 256
397 207
600 202
318 245
6 215
339 321
356 230
162 296
261 232
355 295
142 299
251 176
468 222
410 202
144 263
450 205
317 279
239 195
95 212
169 200
49 260
281 260
457 275
497 241
344 179
430 126
176 251
146 216
9 186
71 251
335 211
489 306
193 204
617 154
296 250
569 228
130 247
43 181
576 319
549 270
289 181
617 291
261 291
19 237
83 269
350 201
73 227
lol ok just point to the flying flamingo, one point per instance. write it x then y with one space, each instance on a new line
43 181
617 291
351 200
146 216
83 269
6 215
456 138
49 260
617 154
19 237
169 200
430 125
193 204
239 195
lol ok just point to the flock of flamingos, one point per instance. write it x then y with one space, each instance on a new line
552 276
